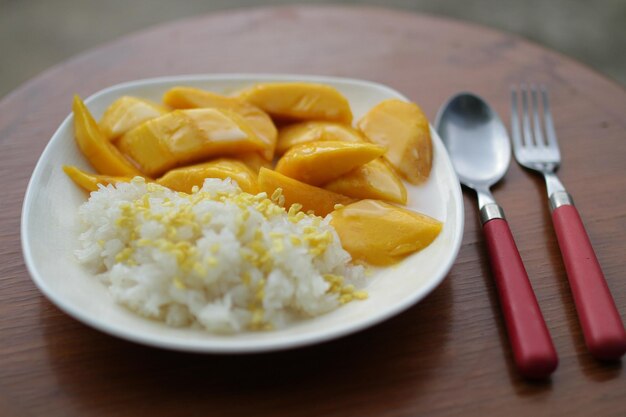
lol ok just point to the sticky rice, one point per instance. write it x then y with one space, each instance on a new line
217 258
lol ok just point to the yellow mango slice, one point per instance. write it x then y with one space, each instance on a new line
254 161
382 234
317 163
259 121
403 128
90 182
185 178
312 198
126 113
299 101
375 180
304 132
187 136
100 153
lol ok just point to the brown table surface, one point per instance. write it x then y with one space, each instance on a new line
448 355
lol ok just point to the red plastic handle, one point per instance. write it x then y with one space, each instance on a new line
602 325
533 349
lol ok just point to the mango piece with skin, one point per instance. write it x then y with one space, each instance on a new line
375 180
185 178
299 133
186 136
403 128
299 101
382 234
126 113
89 182
259 121
312 198
100 153
317 163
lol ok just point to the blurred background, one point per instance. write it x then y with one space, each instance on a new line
36 34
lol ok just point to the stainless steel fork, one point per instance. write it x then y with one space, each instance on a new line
536 148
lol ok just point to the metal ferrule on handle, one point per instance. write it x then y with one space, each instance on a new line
560 198
491 211
556 192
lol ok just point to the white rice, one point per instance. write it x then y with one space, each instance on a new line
218 258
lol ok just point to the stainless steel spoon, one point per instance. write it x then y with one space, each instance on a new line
480 151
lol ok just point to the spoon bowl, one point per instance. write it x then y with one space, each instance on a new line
476 140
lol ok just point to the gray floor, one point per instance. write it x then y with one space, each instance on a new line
36 34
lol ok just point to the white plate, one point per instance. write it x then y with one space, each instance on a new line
50 235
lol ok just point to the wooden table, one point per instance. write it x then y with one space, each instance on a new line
449 355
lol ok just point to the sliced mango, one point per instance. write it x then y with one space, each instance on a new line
193 98
315 199
259 121
186 136
382 234
299 101
253 160
375 180
317 163
185 178
100 153
126 113
90 182
304 132
403 128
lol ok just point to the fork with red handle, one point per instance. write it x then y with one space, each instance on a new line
601 322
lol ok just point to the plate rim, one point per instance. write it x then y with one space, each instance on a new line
220 346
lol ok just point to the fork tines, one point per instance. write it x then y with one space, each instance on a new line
534 133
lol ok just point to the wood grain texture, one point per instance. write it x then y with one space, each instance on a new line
446 356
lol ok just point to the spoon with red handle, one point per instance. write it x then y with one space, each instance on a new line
479 148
